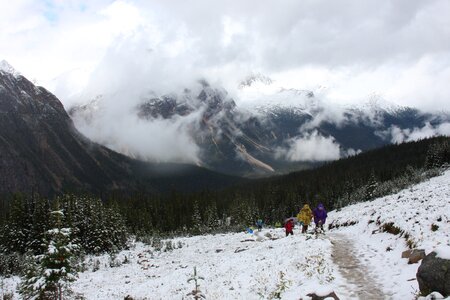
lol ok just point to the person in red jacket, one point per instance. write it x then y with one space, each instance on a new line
289 226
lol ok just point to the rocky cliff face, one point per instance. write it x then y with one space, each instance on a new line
287 130
41 151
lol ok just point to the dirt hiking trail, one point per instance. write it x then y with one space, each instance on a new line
361 284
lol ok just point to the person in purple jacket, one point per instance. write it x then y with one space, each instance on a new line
320 216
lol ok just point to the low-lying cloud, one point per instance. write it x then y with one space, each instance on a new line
312 147
158 140
398 135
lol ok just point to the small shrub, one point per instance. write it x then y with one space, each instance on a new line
126 260
196 294
169 246
315 266
281 287
96 265
390 228
434 227
411 244
378 221
157 243
8 296
114 261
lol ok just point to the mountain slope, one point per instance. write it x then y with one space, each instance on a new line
41 151
283 131
422 215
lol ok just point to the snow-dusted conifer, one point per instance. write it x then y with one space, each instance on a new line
16 232
371 186
438 154
197 223
196 293
212 216
51 273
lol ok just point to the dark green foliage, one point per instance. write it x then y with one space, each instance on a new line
53 270
438 154
11 263
360 178
95 227
24 229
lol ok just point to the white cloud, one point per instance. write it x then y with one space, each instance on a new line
399 135
160 140
398 49
124 49
311 147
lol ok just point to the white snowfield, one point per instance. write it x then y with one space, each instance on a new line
246 266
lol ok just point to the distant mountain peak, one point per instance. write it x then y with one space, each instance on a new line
376 104
7 68
255 78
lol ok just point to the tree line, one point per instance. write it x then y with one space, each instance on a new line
336 184
101 225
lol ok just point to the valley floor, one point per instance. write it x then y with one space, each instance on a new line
355 261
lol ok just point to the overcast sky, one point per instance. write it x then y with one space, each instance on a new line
398 50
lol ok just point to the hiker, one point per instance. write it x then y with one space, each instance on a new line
289 226
259 224
320 216
304 217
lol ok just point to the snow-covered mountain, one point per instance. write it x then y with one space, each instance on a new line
262 129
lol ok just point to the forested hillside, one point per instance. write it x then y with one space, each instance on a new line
355 179
337 184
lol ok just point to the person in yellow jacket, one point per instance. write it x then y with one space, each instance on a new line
305 216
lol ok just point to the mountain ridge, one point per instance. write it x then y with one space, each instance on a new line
270 138
42 152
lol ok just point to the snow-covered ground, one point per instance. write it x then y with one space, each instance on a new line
269 265
414 210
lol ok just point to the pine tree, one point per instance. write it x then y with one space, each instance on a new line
51 273
197 224
17 230
371 187
212 217
438 154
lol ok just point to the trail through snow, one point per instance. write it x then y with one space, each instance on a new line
355 259
362 284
